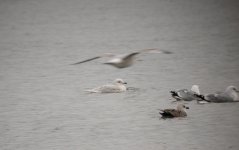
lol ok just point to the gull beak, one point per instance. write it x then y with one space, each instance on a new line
125 83
187 107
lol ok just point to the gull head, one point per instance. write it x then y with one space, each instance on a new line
232 91
232 88
119 81
182 107
195 88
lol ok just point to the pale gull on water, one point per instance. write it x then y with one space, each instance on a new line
178 112
123 61
185 94
229 95
117 87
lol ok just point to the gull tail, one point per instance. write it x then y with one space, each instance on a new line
176 96
202 98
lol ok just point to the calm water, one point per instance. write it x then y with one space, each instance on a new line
43 105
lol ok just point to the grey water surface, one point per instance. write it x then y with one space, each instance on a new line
43 105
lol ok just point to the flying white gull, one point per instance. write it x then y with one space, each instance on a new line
170 113
229 95
125 60
185 94
117 87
